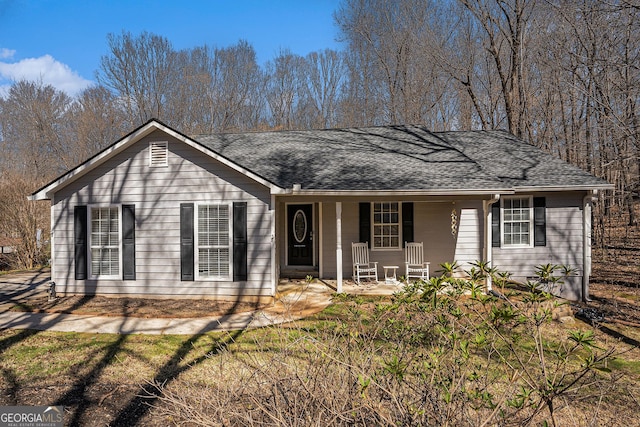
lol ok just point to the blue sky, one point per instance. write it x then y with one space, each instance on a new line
60 42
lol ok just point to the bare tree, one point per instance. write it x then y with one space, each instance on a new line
34 129
393 72
25 221
219 90
503 24
284 81
325 74
238 87
141 70
97 119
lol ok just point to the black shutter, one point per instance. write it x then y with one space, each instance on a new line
365 223
239 241
128 242
495 225
186 242
539 221
80 233
407 222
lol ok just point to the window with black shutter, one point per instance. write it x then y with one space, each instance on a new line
128 242
80 244
186 242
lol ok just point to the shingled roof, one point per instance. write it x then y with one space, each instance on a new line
372 159
398 158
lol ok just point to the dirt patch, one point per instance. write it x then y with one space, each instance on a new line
136 307
615 279
616 302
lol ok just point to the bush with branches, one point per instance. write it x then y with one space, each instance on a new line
441 352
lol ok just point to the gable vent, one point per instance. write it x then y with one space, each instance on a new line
158 153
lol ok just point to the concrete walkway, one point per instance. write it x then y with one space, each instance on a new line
295 303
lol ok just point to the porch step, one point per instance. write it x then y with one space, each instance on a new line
299 272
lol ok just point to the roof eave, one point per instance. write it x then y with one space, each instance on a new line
560 188
396 193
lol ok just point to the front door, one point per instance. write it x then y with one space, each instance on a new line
300 234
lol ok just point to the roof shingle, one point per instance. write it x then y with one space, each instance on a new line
403 158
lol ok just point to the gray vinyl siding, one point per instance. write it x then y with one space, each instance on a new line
469 238
156 192
432 226
564 244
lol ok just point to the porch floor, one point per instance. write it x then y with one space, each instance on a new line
289 285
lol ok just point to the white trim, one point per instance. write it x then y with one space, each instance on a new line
586 243
398 193
339 247
400 236
196 243
446 192
553 188
488 234
90 274
52 246
504 245
274 248
320 239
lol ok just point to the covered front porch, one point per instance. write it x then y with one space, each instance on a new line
315 236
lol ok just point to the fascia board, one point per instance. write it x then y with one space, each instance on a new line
563 188
387 193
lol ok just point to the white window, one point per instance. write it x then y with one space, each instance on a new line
213 244
517 221
105 242
158 153
386 225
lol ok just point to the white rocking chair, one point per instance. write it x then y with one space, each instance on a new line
362 268
414 261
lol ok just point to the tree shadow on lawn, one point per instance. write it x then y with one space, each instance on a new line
619 336
6 343
28 288
77 394
138 406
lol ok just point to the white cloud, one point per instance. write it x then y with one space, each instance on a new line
6 53
44 69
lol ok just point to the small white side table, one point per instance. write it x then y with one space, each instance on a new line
390 274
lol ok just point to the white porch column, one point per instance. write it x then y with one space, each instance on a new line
586 243
487 204
52 240
320 239
339 246
274 247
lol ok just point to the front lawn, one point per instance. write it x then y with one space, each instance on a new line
422 358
